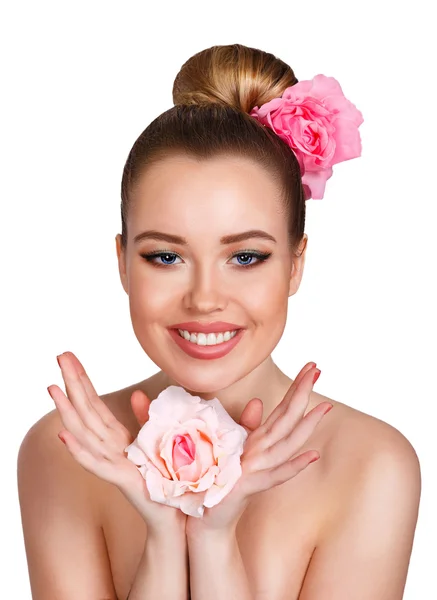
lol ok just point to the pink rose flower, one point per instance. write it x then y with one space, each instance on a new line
319 124
188 451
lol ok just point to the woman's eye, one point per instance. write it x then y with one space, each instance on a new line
167 256
245 259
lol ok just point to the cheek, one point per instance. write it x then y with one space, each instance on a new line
267 305
266 297
149 298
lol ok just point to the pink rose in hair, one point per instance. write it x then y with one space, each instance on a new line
188 451
319 124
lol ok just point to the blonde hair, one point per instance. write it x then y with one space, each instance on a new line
235 76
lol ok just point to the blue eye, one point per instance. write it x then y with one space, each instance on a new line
247 255
165 255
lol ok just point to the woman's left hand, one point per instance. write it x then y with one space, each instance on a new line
267 457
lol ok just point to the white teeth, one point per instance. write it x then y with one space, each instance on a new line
210 339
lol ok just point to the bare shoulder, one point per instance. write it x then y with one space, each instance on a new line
363 435
370 486
65 546
363 454
41 446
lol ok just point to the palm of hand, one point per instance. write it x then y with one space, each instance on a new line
97 440
269 451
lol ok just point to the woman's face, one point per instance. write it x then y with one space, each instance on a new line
206 280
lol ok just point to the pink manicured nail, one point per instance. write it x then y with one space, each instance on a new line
61 438
328 409
316 375
314 459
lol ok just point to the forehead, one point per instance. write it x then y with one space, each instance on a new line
221 193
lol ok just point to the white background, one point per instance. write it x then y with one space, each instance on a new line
81 80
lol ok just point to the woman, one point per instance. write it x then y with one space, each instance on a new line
222 162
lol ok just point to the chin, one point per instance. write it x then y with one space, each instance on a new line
203 382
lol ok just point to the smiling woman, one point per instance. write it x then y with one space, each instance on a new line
212 248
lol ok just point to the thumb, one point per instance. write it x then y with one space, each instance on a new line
140 403
252 414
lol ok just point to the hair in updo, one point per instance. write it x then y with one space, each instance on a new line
213 93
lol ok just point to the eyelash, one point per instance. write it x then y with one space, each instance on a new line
261 256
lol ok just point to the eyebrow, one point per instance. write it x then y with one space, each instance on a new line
152 234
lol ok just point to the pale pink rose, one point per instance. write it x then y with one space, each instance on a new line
188 451
319 123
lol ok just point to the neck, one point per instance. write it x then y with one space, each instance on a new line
266 382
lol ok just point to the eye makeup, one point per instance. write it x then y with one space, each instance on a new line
260 256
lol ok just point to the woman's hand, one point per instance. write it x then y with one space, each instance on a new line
267 457
97 440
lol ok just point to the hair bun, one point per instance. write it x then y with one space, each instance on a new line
232 75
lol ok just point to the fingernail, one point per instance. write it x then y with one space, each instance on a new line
328 409
314 459
316 375
57 358
61 438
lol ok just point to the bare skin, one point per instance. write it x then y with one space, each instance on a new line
280 529
346 522
269 563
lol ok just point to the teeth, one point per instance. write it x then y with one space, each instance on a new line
209 339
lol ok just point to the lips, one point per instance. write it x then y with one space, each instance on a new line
206 352
206 327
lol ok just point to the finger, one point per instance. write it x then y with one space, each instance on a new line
74 385
97 465
288 446
88 460
79 399
93 398
295 410
251 416
268 478
140 403
286 400
74 425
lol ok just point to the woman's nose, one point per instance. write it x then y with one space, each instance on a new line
206 292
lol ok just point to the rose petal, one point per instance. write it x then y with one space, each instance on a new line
184 451
154 485
204 459
224 418
316 180
192 504
348 141
206 480
232 441
148 441
173 405
224 483
208 414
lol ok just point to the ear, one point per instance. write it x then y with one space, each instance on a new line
252 415
298 263
121 256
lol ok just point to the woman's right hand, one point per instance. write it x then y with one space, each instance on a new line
97 441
